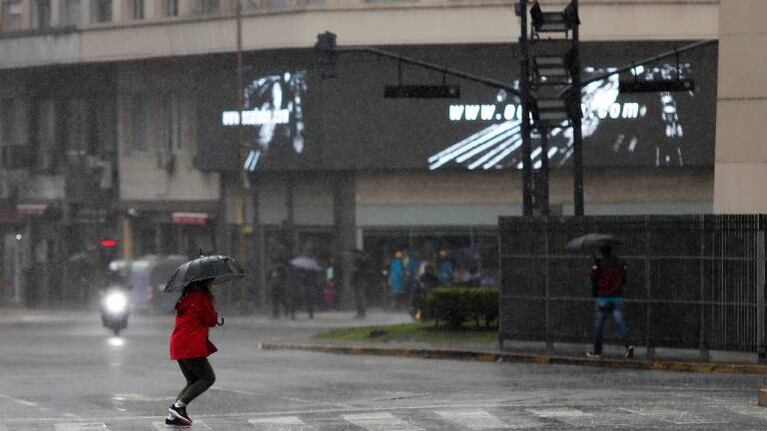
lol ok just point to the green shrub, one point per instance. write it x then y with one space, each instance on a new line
456 305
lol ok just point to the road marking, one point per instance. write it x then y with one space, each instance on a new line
748 410
380 422
558 412
568 415
197 425
472 419
84 426
676 417
19 401
281 423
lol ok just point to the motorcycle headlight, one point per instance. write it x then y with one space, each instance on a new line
116 302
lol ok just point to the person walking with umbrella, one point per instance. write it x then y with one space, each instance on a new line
196 313
190 346
608 276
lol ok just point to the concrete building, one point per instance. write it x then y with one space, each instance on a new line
112 128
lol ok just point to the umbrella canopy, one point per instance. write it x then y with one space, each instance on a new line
305 262
203 268
591 241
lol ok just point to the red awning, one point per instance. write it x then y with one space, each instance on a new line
31 209
189 218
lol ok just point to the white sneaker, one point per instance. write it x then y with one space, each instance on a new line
629 352
593 355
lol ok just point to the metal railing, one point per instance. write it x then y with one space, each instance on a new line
693 282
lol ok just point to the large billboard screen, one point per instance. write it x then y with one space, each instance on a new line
295 120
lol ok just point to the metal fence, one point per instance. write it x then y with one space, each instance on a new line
693 282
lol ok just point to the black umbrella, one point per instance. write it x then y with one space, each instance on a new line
591 241
203 268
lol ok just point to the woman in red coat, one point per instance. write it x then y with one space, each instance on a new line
190 346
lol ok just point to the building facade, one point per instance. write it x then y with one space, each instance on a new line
121 120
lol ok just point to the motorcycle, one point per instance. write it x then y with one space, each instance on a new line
115 310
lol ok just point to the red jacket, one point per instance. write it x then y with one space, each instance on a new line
608 276
194 315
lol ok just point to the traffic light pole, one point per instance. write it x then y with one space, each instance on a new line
575 115
524 85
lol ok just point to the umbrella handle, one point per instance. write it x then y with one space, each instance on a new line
221 323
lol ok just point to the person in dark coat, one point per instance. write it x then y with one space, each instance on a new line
608 276
278 283
190 346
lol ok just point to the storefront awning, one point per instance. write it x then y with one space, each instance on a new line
189 218
31 209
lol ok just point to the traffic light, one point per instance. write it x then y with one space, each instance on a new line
326 49
656 86
422 91
109 243
553 22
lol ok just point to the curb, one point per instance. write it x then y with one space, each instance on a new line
480 356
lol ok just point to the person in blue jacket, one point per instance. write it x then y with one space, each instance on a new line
397 280
446 268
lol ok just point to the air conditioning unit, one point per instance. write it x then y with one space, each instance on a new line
166 160
104 169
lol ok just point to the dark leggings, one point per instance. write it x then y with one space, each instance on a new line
199 377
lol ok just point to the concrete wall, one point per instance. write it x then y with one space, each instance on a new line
355 22
741 153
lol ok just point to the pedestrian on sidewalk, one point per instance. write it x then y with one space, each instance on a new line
608 277
190 346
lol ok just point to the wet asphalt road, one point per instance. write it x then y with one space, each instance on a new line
66 373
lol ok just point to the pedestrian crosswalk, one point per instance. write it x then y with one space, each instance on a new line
464 418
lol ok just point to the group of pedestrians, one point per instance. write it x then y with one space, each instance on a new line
302 283
409 279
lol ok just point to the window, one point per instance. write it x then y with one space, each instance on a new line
70 12
101 10
140 122
7 122
206 7
41 14
76 126
45 133
11 15
136 9
170 129
170 7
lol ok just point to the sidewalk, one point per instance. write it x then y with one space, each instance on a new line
518 351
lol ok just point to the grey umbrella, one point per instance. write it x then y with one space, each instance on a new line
221 268
306 263
591 241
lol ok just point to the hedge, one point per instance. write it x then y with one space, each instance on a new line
456 305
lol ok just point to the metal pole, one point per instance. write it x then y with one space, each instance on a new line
760 280
575 100
524 86
544 176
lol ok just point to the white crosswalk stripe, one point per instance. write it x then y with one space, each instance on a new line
82 426
476 419
676 417
281 423
197 425
380 422
568 415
